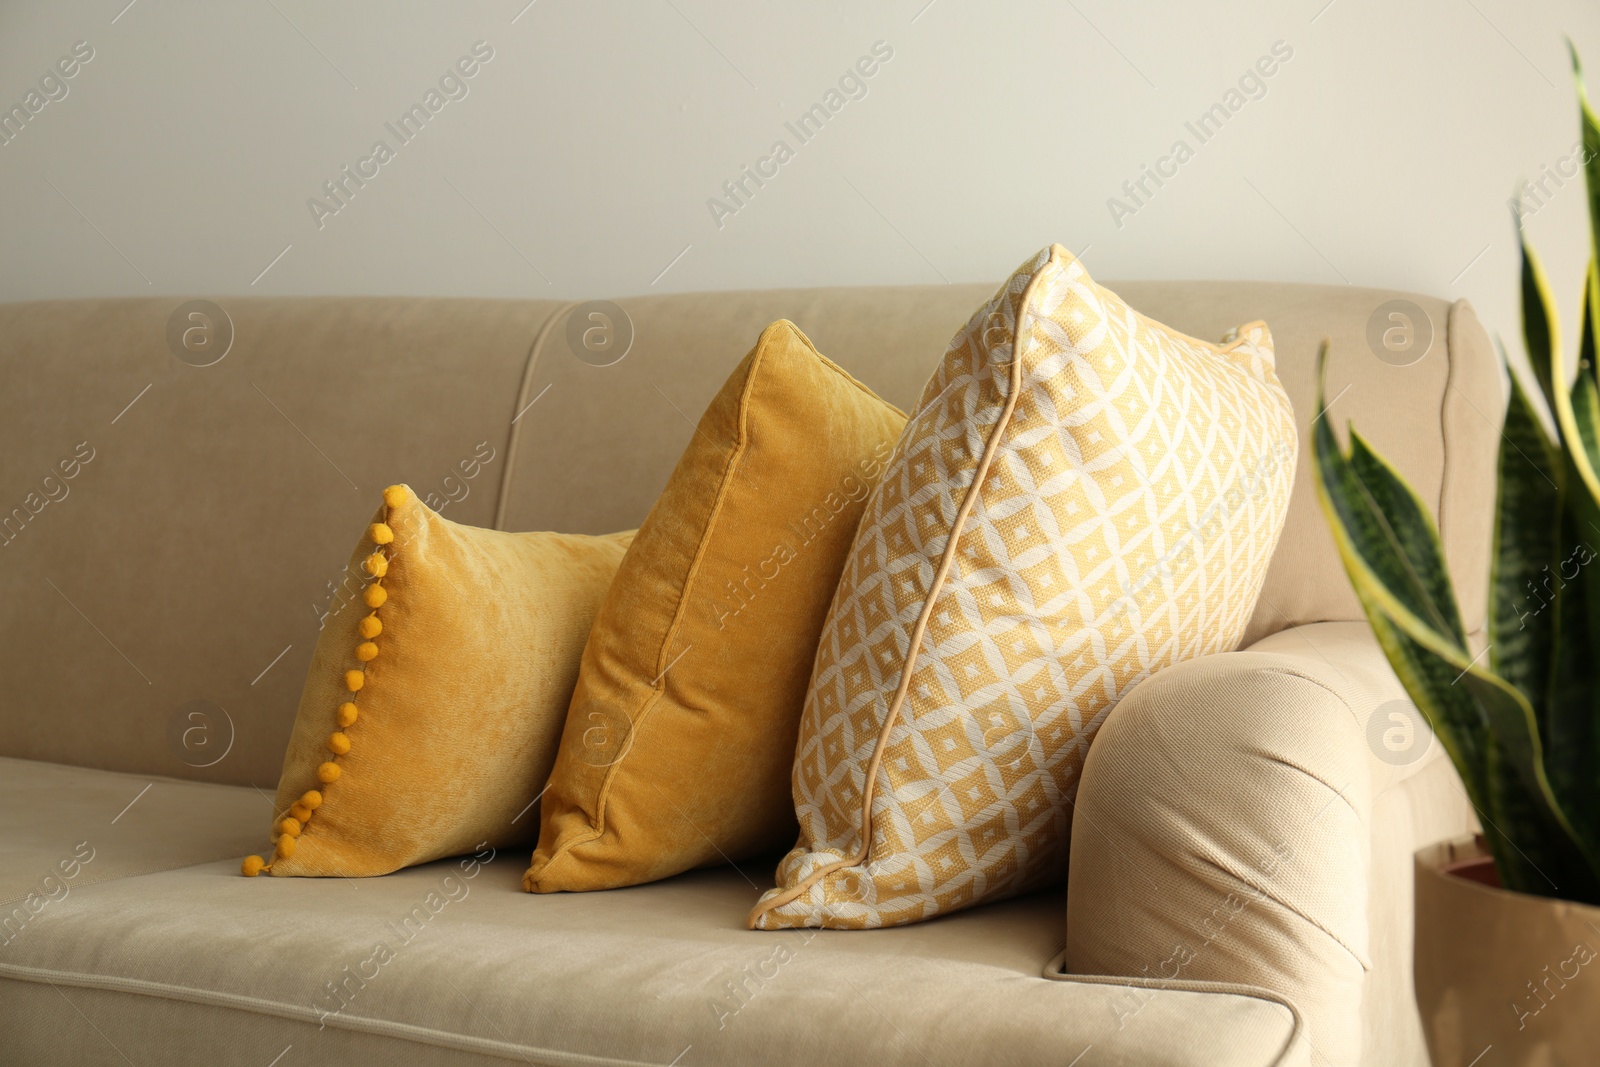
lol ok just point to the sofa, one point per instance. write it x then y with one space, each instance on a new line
173 532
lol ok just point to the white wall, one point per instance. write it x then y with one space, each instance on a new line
581 161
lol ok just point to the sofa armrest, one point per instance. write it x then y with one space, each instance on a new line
1224 831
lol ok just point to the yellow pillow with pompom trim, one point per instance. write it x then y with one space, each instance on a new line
437 694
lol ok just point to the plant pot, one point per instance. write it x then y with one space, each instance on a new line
1502 978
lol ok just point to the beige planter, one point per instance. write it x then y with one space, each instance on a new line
1502 978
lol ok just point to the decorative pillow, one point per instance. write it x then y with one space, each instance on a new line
1082 497
431 714
681 733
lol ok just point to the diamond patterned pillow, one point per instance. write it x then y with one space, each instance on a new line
1082 497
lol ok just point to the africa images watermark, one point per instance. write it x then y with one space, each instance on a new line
810 526
1543 594
1252 85
752 980
51 490
1551 983
352 980
354 578
1212 927
454 489
200 733
1249 486
738 191
53 88
53 888
1535 193
453 85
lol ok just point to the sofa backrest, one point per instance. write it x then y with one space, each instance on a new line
163 600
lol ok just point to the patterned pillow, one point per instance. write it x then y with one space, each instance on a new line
1082 497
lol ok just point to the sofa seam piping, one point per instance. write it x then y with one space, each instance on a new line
280 1009
1445 466
514 436
1055 970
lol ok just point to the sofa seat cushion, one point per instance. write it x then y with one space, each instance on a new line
198 965
67 827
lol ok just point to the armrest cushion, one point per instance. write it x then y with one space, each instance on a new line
1224 828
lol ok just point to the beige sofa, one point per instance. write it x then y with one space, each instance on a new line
1240 881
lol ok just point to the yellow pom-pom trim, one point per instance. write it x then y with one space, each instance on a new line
289 829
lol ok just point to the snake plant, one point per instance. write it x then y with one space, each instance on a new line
1519 714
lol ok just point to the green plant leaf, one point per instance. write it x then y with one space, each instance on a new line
1531 854
1415 539
1585 401
1540 329
1374 540
1571 715
1542 336
1589 134
1456 720
1527 519
1588 310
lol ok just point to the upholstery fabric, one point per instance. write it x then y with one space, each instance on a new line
1082 497
681 732
478 972
436 696
1236 821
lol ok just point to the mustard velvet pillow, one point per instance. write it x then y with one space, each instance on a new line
437 693
681 733
1082 496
